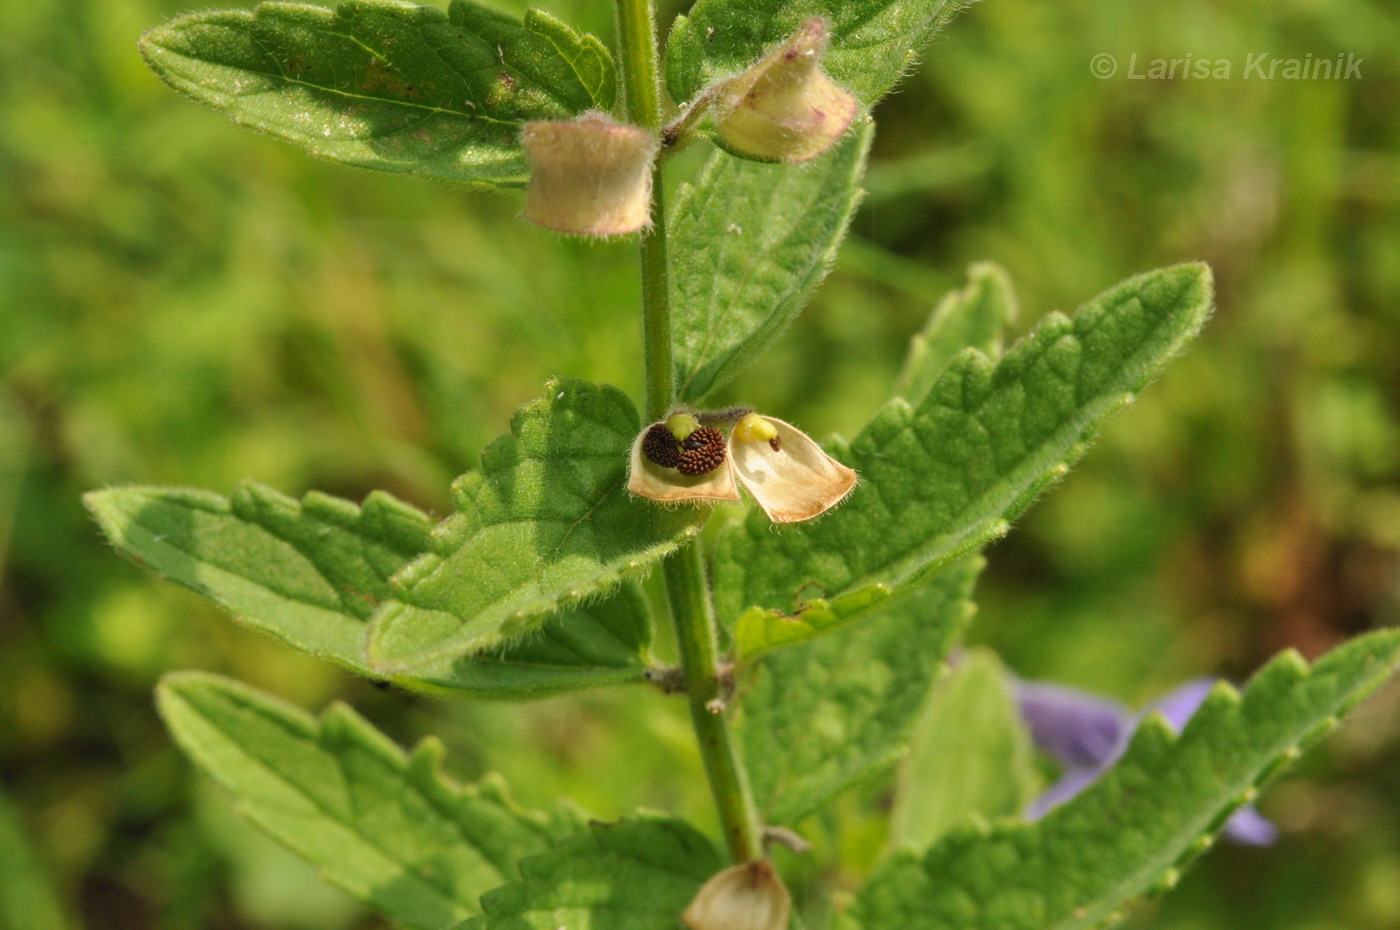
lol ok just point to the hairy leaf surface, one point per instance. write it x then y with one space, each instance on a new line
833 712
943 477
750 242
312 572
1132 831
873 42
545 524
974 317
760 630
637 874
598 643
386 827
388 85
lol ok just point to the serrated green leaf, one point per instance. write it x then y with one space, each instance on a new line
311 572
969 756
545 524
1133 830
637 874
942 478
573 68
976 317
750 242
386 827
589 646
833 712
308 572
873 42
27 897
759 630
388 85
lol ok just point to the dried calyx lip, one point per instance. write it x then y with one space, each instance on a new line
787 472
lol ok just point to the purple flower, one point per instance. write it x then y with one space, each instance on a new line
1087 734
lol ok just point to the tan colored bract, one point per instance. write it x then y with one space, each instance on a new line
785 108
750 896
590 176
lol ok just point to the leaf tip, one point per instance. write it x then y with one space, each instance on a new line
426 759
174 690
147 42
93 500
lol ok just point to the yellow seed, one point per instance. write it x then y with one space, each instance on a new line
754 428
682 425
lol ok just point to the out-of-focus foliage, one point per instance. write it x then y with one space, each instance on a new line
185 303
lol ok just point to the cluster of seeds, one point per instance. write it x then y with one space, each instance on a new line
796 481
700 452
661 447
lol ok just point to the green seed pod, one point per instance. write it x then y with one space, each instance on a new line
682 425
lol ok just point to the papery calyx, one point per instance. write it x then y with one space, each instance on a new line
677 459
749 896
787 472
785 107
590 176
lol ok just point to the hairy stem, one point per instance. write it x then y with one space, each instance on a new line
636 33
656 307
689 593
687 587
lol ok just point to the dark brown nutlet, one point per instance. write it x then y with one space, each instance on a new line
659 446
776 443
701 452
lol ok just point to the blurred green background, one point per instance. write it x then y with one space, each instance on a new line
183 302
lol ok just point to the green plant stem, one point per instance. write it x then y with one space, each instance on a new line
641 92
691 611
637 53
656 307
687 588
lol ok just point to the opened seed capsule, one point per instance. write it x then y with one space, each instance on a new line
702 451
